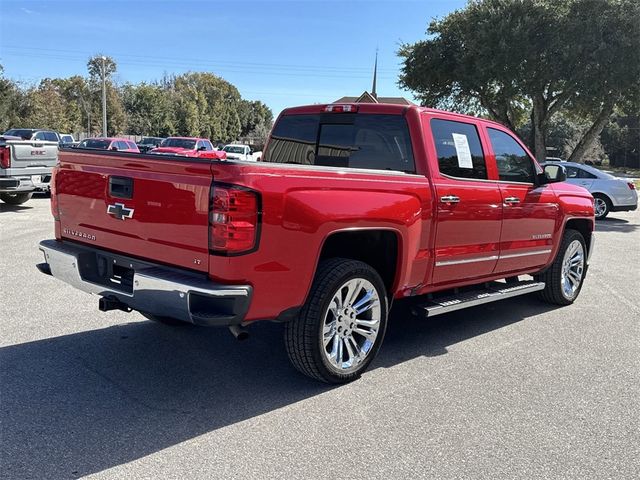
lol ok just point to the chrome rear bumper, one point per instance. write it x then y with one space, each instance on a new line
146 287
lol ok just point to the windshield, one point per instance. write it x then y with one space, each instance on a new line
95 143
179 143
23 133
66 138
233 149
150 141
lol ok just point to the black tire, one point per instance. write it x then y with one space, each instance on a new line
552 277
304 334
605 202
174 322
15 198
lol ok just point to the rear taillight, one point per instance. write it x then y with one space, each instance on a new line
54 197
233 219
632 185
341 108
5 157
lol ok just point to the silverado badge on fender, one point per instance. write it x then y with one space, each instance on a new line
119 211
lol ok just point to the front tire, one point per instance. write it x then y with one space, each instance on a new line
342 325
564 278
15 198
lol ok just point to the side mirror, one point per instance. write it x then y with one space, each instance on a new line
553 174
202 148
115 149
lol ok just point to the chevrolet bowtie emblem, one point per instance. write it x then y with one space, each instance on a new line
119 211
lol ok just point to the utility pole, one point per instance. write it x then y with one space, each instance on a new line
104 98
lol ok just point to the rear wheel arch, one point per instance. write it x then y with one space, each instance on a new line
378 247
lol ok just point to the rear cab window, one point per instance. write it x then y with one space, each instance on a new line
347 140
459 149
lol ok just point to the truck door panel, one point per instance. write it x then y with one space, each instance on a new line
469 205
529 210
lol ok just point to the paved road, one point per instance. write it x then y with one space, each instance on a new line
515 389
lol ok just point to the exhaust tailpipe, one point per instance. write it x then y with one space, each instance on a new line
239 332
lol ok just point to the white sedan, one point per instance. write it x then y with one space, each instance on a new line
611 194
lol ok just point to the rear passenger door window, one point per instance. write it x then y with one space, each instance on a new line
514 164
459 149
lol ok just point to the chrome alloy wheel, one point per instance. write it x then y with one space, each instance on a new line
600 207
351 324
572 269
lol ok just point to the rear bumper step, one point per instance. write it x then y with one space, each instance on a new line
128 283
491 293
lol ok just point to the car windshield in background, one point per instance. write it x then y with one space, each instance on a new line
23 133
150 141
95 143
230 149
378 142
179 143
66 139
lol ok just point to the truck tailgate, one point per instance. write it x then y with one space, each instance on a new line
151 207
31 157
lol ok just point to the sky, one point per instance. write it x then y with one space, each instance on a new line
283 53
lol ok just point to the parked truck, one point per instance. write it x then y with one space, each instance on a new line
353 207
236 151
25 166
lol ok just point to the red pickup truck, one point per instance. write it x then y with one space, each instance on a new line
188 147
352 207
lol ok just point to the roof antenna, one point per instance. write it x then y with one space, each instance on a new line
375 76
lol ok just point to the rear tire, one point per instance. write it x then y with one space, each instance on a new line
602 206
15 198
174 322
342 325
564 278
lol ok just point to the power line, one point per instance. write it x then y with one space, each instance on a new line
165 64
220 63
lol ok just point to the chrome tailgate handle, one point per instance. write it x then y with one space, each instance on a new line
449 199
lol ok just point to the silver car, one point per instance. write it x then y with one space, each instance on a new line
611 194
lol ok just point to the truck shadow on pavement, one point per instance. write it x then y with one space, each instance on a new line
615 225
82 403
5 207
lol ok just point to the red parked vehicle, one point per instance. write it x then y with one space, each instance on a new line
352 207
110 143
189 147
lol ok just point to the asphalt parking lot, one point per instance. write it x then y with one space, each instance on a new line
515 389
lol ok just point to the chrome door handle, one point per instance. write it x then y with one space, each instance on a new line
449 199
511 200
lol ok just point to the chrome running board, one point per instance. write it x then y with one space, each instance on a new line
492 292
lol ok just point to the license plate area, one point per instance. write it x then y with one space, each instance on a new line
109 271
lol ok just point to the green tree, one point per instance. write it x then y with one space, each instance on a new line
519 60
45 107
10 101
149 110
